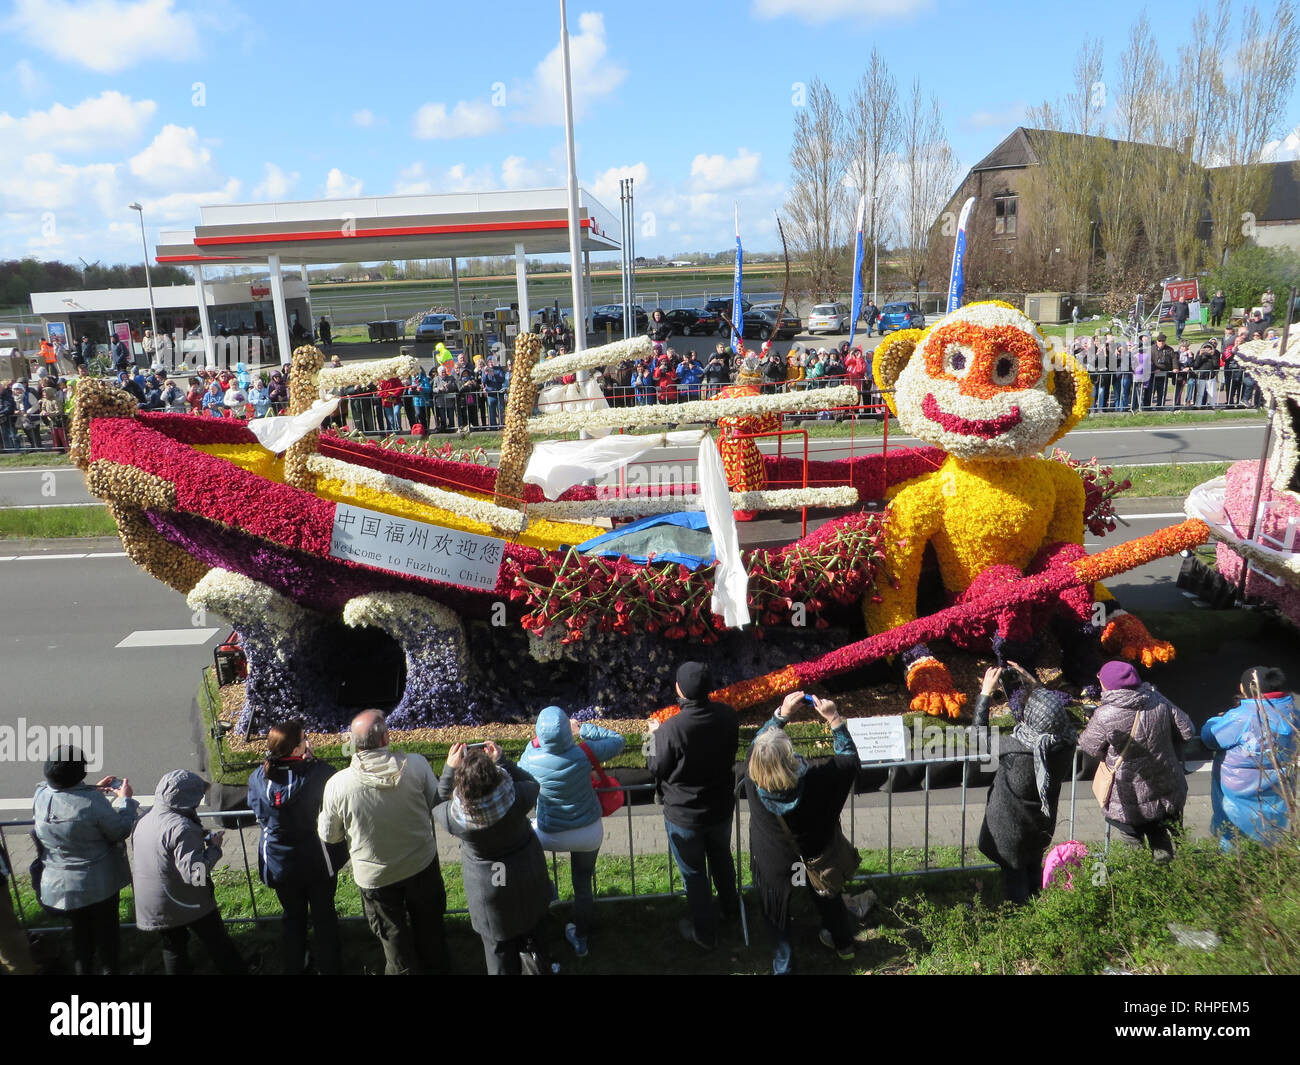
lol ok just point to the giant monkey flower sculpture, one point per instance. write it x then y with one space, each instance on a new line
983 385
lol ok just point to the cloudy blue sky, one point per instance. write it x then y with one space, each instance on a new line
177 103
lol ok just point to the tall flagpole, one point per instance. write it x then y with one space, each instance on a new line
575 230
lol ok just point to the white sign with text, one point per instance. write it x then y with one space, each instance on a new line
879 739
415 548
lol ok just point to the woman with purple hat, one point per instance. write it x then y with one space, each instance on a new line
1132 733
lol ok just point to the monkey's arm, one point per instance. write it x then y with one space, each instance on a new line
1122 634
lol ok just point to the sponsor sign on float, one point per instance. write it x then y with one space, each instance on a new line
415 548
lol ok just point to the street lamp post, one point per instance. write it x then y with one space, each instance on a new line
144 245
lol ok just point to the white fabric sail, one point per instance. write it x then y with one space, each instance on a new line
730 580
277 434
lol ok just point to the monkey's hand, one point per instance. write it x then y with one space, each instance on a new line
932 689
1127 637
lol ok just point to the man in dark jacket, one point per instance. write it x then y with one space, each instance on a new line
1218 304
1180 312
121 356
693 756
1163 361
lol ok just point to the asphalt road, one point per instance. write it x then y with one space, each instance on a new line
61 665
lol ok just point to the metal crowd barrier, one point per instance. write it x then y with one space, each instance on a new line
674 889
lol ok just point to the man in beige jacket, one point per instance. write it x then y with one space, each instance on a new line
382 803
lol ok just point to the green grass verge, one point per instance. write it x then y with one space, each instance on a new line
35 523
1123 913
630 935
35 458
1174 417
1118 916
1173 480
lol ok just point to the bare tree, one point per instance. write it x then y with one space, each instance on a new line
928 173
1118 216
873 132
817 203
1257 88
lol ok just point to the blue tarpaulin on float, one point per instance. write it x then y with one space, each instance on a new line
683 538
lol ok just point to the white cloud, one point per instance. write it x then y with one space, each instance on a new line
275 183
719 172
1007 118
183 207
1280 151
106 36
518 173
468 118
107 120
819 12
339 185
363 118
174 160
594 75
606 188
30 80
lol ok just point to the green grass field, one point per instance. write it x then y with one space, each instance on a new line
33 523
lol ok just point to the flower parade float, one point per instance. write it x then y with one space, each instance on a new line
1253 511
500 589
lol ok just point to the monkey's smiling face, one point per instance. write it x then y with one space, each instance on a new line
979 392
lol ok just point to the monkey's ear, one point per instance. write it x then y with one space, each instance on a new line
1070 384
889 358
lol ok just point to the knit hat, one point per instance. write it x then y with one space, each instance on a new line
694 681
66 767
1118 675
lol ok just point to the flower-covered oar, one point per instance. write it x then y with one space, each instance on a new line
1040 587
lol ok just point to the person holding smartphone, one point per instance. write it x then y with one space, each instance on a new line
81 831
794 816
485 803
1020 811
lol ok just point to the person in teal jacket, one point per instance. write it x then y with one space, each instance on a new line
568 811
1256 747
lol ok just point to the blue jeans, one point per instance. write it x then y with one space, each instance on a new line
834 916
702 854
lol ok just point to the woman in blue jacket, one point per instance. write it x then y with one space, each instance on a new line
1256 746
285 794
568 811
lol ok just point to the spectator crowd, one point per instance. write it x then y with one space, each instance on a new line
383 811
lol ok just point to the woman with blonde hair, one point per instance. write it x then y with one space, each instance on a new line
794 828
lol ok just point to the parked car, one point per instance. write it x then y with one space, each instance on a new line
900 316
829 318
691 321
762 325
722 305
435 327
612 314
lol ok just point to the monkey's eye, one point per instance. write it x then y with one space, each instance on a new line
956 360
1005 369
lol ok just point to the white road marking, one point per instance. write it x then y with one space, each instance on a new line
1152 517
107 554
30 558
167 637
88 554
40 469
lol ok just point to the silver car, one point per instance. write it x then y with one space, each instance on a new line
828 318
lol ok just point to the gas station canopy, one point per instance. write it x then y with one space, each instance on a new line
379 228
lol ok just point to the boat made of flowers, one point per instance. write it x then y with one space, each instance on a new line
350 569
